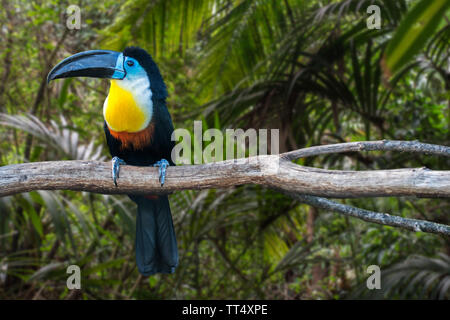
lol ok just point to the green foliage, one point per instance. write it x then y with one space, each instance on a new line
162 26
413 32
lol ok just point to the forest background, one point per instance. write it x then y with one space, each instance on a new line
312 69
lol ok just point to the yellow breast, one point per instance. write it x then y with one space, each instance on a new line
121 111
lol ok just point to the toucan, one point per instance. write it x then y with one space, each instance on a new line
138 129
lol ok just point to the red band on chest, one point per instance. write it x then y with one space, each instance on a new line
151 196
134 140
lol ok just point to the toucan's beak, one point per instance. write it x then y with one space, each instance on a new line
93 63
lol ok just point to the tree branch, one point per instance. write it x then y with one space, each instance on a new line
270 171
273 171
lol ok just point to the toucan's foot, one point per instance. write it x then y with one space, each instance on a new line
162 164
115 164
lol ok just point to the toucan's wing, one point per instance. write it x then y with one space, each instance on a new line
163 131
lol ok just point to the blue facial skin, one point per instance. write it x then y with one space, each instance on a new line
137 81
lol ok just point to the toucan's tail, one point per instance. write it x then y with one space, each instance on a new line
156 245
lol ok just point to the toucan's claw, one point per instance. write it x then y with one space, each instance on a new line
162 164
116 162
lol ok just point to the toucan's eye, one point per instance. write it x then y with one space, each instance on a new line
130 63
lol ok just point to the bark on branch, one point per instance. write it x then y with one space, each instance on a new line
381 145
273 171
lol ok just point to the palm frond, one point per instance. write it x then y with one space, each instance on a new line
56 136
392 10
160 26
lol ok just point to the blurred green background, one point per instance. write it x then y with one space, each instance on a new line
312 69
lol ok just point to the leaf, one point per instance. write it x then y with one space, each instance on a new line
36 221
104 266
43 271
64 91
412 34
